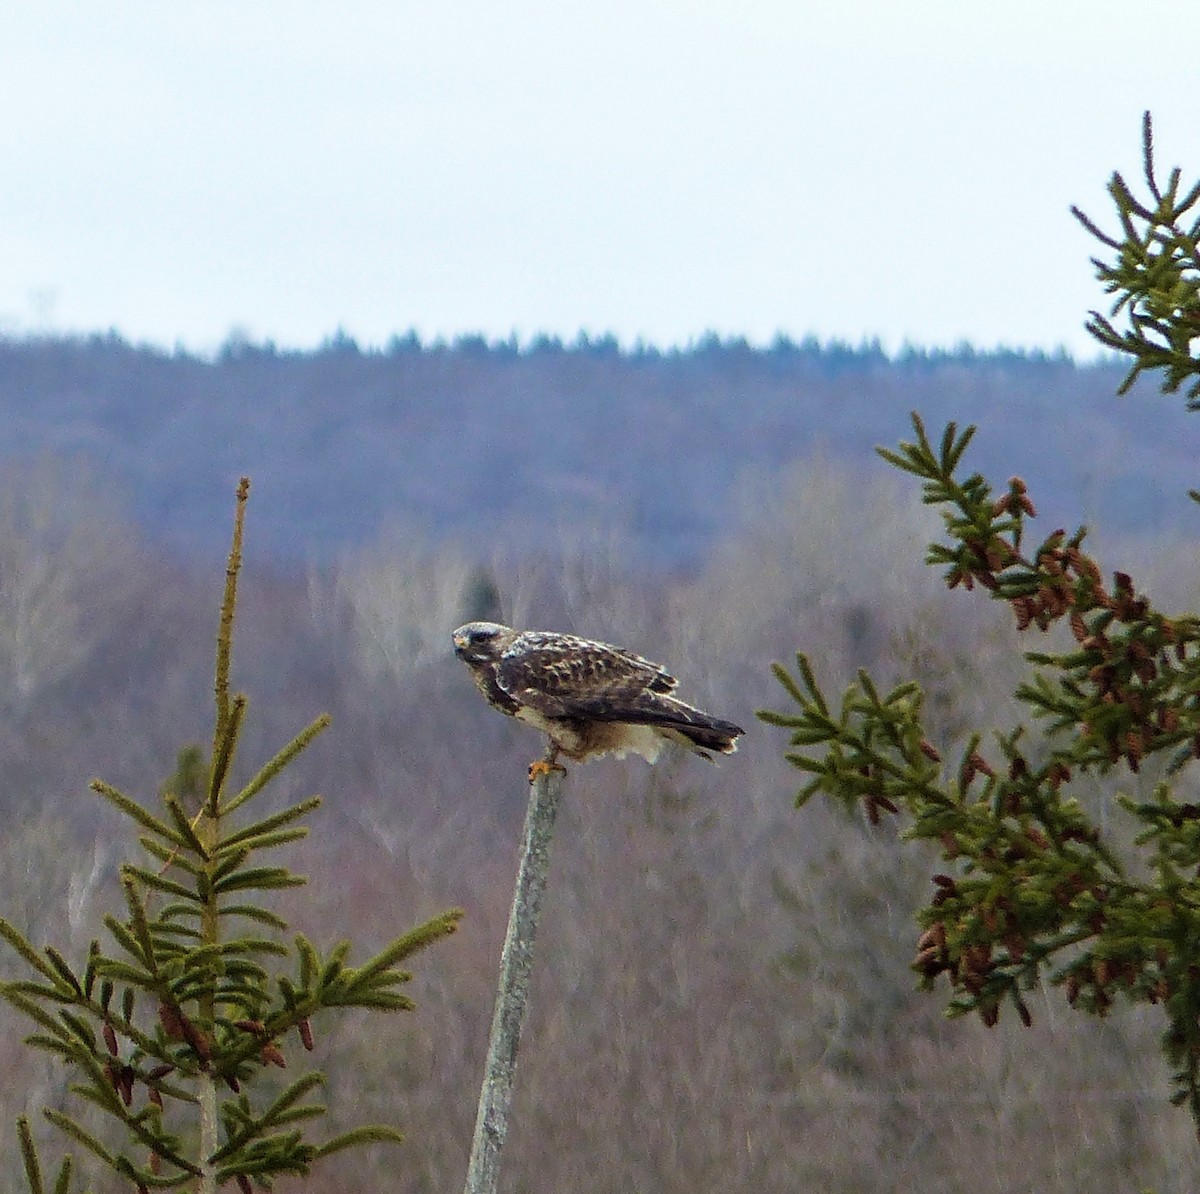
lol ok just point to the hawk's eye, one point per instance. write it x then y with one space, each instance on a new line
481 636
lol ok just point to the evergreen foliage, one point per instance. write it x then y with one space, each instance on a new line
1034 884
1155 274
171 1025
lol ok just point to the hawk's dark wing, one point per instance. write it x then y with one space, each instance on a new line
560 675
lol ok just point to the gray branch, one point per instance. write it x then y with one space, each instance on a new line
516 964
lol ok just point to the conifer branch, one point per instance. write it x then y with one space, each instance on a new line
1154 272
33 1169
225 622
1032 886
260 829
220 1016
131 808
223 752
275 765
371 1134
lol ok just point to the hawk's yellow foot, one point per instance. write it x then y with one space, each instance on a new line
541 767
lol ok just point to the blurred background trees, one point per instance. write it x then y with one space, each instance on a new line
709 1014
63 552
725 1002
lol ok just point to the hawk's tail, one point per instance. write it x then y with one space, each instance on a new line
693 728
720 736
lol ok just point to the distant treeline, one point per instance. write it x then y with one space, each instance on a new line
509 444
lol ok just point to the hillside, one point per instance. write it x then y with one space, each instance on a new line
481 442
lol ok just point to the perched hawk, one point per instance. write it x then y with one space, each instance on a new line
591 698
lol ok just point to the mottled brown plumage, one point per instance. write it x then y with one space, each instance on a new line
589 698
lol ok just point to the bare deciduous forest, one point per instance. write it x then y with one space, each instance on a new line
723 996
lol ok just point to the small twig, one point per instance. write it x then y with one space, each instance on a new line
516 965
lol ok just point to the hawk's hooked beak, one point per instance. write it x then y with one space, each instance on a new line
460 645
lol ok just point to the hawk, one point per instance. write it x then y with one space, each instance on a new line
589 698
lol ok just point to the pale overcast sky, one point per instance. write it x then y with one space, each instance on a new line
653 168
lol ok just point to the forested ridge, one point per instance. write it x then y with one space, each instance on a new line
486 442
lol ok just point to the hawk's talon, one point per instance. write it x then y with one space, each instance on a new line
544 767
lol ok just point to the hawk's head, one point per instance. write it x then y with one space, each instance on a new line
482 642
